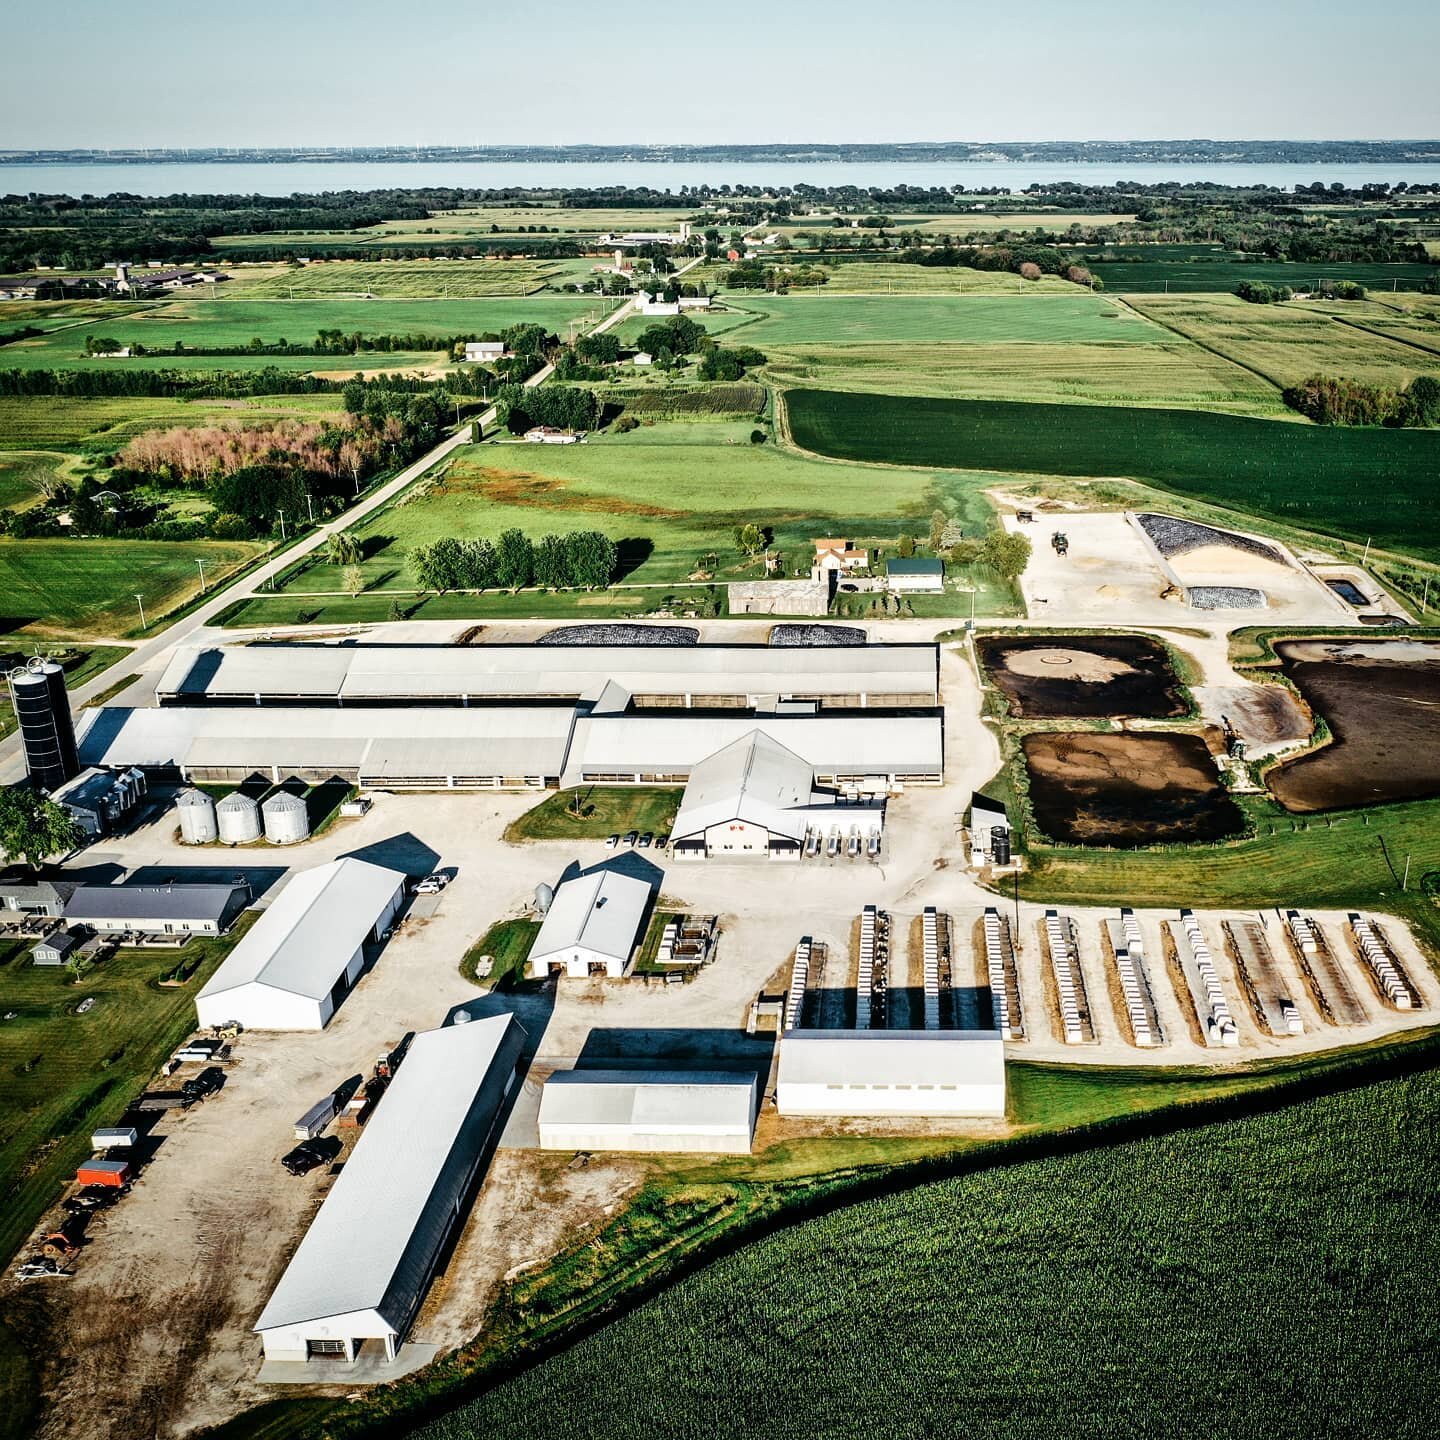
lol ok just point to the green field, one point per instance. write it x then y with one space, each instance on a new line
63 1074
1356 483
667 493
63 589
1287 343
1155 277
408 279
1042 319
25 475
202 323
508 944
1257 1278
882 277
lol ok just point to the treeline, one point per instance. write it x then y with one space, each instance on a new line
581 559
1332 400
1257 292
562 407
1031 261
223 384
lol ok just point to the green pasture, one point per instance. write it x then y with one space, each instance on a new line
862 276
1356 483
667 494
75 589
960 222
63 1074
25 475
821 318
405 279
1286 343
1158 276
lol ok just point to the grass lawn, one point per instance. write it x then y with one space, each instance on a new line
63 1074
64 589
1356 483
1289 342
508 943
826 319
667 494
607 810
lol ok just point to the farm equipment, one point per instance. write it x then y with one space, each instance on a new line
230 1030
66 1240
1060 542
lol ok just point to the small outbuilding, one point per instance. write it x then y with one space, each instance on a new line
916 576
592 926
56 949
365 1264
704 1112
306 951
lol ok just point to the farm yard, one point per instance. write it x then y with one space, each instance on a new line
1309 476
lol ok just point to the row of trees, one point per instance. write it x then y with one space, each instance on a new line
1333 400
562 407
580 559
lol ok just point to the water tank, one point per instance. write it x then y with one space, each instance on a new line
197 817
544 898
42 713
460 1017
1000 843
286 818
238 818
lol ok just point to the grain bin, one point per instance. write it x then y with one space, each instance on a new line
197 817
238 818
544 898
287 819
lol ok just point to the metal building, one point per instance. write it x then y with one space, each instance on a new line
703 1112
287 818
238 819
198 825
42 714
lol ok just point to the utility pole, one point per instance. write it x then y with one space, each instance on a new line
1365 559
310 506
201 564
141 604
1405 880
282 527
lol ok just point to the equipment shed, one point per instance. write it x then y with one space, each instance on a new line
876 1073
305 952
592 926
703 1112
365 1263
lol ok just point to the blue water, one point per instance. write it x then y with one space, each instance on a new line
309 178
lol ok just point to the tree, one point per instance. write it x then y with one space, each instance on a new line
906 546
591 558
33 827
1006 553
342 548
552 562
514 560
938 522
750 539
353 580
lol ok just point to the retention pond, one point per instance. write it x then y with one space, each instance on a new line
1123 677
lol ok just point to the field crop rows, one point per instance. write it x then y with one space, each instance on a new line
879 277
1223 275
1084 1288
1354 483
408 279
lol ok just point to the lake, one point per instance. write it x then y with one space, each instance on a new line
309 177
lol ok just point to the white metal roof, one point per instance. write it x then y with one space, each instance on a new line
502 740
892 1057
353 1257
755 779
878 743
710 1102
369 671
599 911
308 933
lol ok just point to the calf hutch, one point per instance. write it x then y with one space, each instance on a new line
592 926
364 1265
705 1112
305 951
879 1073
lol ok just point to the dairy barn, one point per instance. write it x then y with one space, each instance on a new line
306 951
354 1286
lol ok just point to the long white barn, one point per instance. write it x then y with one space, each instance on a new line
702 1112
365 1263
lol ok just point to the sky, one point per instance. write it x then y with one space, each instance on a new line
359 72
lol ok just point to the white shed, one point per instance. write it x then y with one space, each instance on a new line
877 1073
365 1263
702 1112
305 952
592 926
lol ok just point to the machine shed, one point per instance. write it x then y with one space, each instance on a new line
702 1112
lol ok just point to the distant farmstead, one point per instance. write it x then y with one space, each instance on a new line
549 435
481 351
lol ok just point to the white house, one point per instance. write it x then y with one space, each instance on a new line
366 1261
292 970
881 1073
549 435
592 926
642 357
480 351
704 1112
756 799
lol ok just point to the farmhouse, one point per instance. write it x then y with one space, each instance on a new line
20 893
880 1073
704 1112
365 1263
838 556
480 351
755 799
550 435
292 970
175 909
916 576
592 926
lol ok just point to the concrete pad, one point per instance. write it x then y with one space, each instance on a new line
370 1368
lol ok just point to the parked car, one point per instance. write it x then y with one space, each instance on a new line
647 839
432 884
662 842
93 1197
613 841
309 1155
632 836
210 1081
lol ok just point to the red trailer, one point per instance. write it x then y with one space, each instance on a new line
104 1172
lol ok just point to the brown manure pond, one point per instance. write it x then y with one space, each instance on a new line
1071 677
1127 790
1381 700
